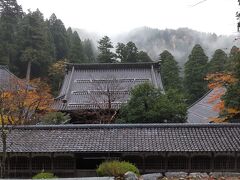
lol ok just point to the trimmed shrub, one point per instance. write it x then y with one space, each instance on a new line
116 168
44 175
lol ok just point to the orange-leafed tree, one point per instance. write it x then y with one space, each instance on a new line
227 89
218 82
20 104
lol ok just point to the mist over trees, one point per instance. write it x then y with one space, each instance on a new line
124 53
178 42
129 53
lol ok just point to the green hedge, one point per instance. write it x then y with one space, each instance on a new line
44 175
116 168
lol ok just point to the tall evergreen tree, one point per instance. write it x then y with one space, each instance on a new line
121 52
194 73
231 59
132 52
88 51
218 62
60 37
128 52
143 57
232 95
76 54
105 54
170 71
34 43
10 14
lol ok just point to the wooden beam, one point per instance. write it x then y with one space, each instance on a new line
52 158
30 164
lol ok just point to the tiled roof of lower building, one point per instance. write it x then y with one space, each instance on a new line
126 138
203 110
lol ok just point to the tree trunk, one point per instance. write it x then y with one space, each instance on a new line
28 71
4 149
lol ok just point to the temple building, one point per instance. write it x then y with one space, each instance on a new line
102 87
7 79
77 150
203 111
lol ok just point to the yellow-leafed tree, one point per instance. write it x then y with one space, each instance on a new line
20 104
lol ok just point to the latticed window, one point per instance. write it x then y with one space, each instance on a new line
63 162
224 162
155 162
19 162
201 163
177 162
41 163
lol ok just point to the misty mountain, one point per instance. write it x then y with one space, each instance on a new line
179 42
83 34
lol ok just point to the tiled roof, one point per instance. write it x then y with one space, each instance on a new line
125 138
203 110
5 77
87 86
8 81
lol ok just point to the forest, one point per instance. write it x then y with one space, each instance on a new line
34 47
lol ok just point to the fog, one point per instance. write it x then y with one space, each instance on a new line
179 42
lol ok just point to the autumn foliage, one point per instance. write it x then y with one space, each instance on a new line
219 82
23 103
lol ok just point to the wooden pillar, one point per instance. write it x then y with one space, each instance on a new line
8 165
189 162
166 161
52 158
143 163
212 162
235 162
30 165
75 165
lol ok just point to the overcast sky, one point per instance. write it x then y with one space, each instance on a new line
116 16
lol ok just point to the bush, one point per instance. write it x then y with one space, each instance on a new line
116 168
44 175
55 118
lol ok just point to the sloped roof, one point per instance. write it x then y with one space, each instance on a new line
87 86
126 138
203 110
5 77
8 81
